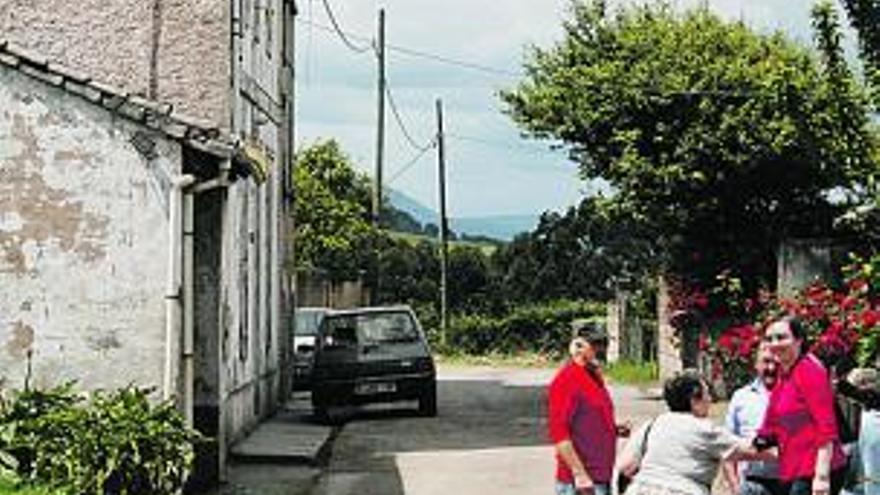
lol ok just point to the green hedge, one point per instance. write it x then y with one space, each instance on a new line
116 442
535 328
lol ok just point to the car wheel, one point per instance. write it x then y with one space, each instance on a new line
428 401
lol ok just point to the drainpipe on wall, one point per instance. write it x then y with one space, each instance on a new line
188 309
173 303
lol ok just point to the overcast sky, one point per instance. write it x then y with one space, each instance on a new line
491 169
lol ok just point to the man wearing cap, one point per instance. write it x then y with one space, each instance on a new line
581 417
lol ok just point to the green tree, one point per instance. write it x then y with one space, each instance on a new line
586 253
865 18
332 229
719 139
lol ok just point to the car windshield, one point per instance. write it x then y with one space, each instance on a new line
372 328
307 322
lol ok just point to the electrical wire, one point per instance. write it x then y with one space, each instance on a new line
419 53
649 90
403 129
410 163
452 61
497 144
342 35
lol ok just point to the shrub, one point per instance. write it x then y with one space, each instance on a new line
842 323
536 328
632 372
114 443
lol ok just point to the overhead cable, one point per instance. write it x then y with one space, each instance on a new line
338 30
421 54
399 120
410 163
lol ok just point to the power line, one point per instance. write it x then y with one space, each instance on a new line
420 53
497 144
452 61
397 118
410 163
647 90
341 33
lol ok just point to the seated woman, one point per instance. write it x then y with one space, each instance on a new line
680 451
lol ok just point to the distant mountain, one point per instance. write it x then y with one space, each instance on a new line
502 227
420 212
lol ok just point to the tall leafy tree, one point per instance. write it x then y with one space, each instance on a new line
865 18
332 229
720 139
586 253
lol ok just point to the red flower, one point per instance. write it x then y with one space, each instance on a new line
870 317
858 285
848 302
703 342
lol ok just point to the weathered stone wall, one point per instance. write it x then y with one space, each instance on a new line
220 61
176 51
253 362
83 241
669 358
801 262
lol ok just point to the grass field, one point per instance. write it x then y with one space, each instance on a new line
487 248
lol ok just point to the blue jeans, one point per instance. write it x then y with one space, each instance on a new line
760 486
869 451
804 486
568 489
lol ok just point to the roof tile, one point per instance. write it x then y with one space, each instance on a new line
69 73
49 77
86 91
22 52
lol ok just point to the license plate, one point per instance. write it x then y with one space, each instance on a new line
375 388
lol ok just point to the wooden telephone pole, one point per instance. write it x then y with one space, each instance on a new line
441 166
380 149
380 117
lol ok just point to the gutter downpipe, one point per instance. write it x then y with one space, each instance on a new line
173 303
188 307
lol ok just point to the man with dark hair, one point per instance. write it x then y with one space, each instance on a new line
581 417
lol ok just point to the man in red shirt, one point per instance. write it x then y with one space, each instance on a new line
581 417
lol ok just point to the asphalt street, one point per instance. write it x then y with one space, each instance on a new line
488 438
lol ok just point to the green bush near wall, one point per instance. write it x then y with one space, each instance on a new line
118 442
542 329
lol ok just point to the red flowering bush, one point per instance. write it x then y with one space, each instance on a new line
843 324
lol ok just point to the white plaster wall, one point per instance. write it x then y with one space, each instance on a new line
83 241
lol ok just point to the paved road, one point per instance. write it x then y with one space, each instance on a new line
489 438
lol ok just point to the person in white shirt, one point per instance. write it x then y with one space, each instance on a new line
678 452
745 413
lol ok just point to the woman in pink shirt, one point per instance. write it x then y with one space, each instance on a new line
800 417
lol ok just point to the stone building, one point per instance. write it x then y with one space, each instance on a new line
144 191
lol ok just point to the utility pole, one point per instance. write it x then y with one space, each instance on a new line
380 149
441 166
380 125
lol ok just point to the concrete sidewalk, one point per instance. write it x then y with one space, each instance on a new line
290 437
284 455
